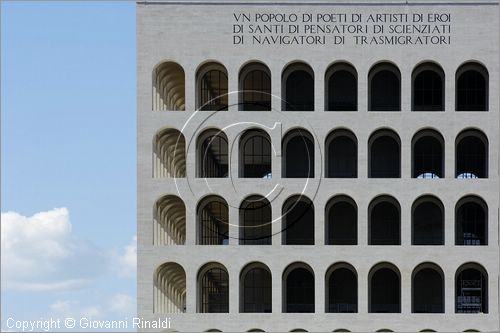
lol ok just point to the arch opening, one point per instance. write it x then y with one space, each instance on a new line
169 87
384 225
385 290
471 289
471 155
384 88
428 88
256 217
428 290
256 289
342 155
471 222
298 221
255 88
169 154
298 87
428 222
212 154
169 221
298 156
428 156
212 87
342 221
299 290
255 155
385 155
170 289
213 221
342 88
213 289
342 290
472 88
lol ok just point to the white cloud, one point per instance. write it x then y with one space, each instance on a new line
126 263
39 253
73 309
122 304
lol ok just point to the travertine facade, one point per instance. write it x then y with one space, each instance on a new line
186 51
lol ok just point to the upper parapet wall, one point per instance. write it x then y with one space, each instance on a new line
324 2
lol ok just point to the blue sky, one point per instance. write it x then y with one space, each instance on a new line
68 142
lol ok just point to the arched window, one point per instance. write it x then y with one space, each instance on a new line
298 154
298 221
213 221
255 154
384 149
472 87
427 289
428 221
169 221
256 289
255 225
428 155
255 87
384 224
212 87
428 87
298 293
298 87
212 154
384 88
471 221
168 87
471 285
342 289
342 155
342 221
341 88
213 289
170 289
169 154
471 147
384 289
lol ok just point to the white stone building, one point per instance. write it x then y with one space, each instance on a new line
318 165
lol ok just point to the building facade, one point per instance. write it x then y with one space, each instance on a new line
318 166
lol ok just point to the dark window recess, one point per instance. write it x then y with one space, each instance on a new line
342 158
385 224
299 154
256 94
256 228
213 91
343 291
300 291
257 291
428 291
215 291
214 157
428 158
471 224
385 158
428 224
385 292
471 92
298 218
342 91
342 224
428 91
299 91
385 91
